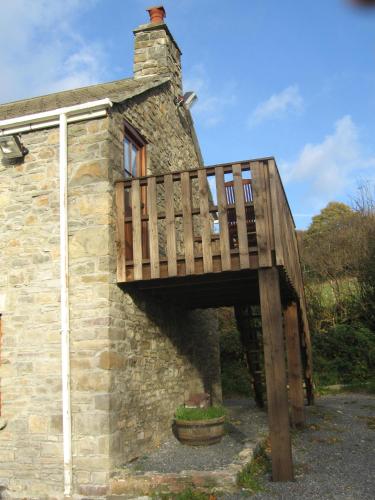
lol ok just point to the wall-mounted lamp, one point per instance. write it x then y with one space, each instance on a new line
186 100
12 150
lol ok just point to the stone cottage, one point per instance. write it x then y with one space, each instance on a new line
90 374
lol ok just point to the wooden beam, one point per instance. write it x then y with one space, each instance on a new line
293 348
274 362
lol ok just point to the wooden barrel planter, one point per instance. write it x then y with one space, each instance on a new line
200 432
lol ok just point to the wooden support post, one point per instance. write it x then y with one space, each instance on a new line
308 370
293 349
274 362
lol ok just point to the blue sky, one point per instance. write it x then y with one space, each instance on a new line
290 79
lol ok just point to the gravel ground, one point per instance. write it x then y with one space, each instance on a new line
334 456
247 423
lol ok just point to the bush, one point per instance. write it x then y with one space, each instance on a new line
234 372
344 354
235 378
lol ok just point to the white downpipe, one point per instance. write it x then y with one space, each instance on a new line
65 328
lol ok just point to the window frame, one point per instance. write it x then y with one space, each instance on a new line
134 139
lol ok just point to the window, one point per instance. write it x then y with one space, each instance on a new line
135 166
134 153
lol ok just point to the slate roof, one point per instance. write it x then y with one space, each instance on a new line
117 91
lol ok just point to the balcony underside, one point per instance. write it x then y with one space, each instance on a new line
211 290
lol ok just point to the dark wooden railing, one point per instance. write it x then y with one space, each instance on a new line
223 218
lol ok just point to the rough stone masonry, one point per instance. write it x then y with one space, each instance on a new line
133 361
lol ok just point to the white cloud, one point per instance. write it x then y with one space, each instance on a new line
277 105
330 169
212 104
40 52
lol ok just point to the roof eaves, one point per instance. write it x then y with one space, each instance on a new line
61 93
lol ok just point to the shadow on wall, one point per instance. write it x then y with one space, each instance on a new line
166 354
194 334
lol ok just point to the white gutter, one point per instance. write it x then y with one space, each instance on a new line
61 117
55 113
53 123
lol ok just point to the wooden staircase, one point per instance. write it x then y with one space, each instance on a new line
249 327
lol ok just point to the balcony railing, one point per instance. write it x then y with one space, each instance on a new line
228 217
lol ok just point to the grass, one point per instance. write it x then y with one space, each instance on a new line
356 386
183 413
188 494
371 423
252 475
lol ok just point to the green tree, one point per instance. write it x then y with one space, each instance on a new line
330 250
364 205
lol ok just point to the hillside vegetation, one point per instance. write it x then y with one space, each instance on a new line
338 260
338 263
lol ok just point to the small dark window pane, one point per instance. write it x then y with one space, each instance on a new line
127 149
134 160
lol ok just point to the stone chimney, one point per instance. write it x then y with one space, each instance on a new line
156 52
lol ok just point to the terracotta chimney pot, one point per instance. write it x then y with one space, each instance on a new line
157 14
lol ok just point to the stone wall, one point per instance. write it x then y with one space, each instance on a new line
30 445
132 360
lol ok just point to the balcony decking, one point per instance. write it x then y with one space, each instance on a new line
225 236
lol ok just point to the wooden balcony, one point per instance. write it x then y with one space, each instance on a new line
206 226
225 236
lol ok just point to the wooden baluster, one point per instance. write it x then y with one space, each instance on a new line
153 228
276 213
137 229
243 246
223 219
120 232
205 221
187 222
261 214
170 225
